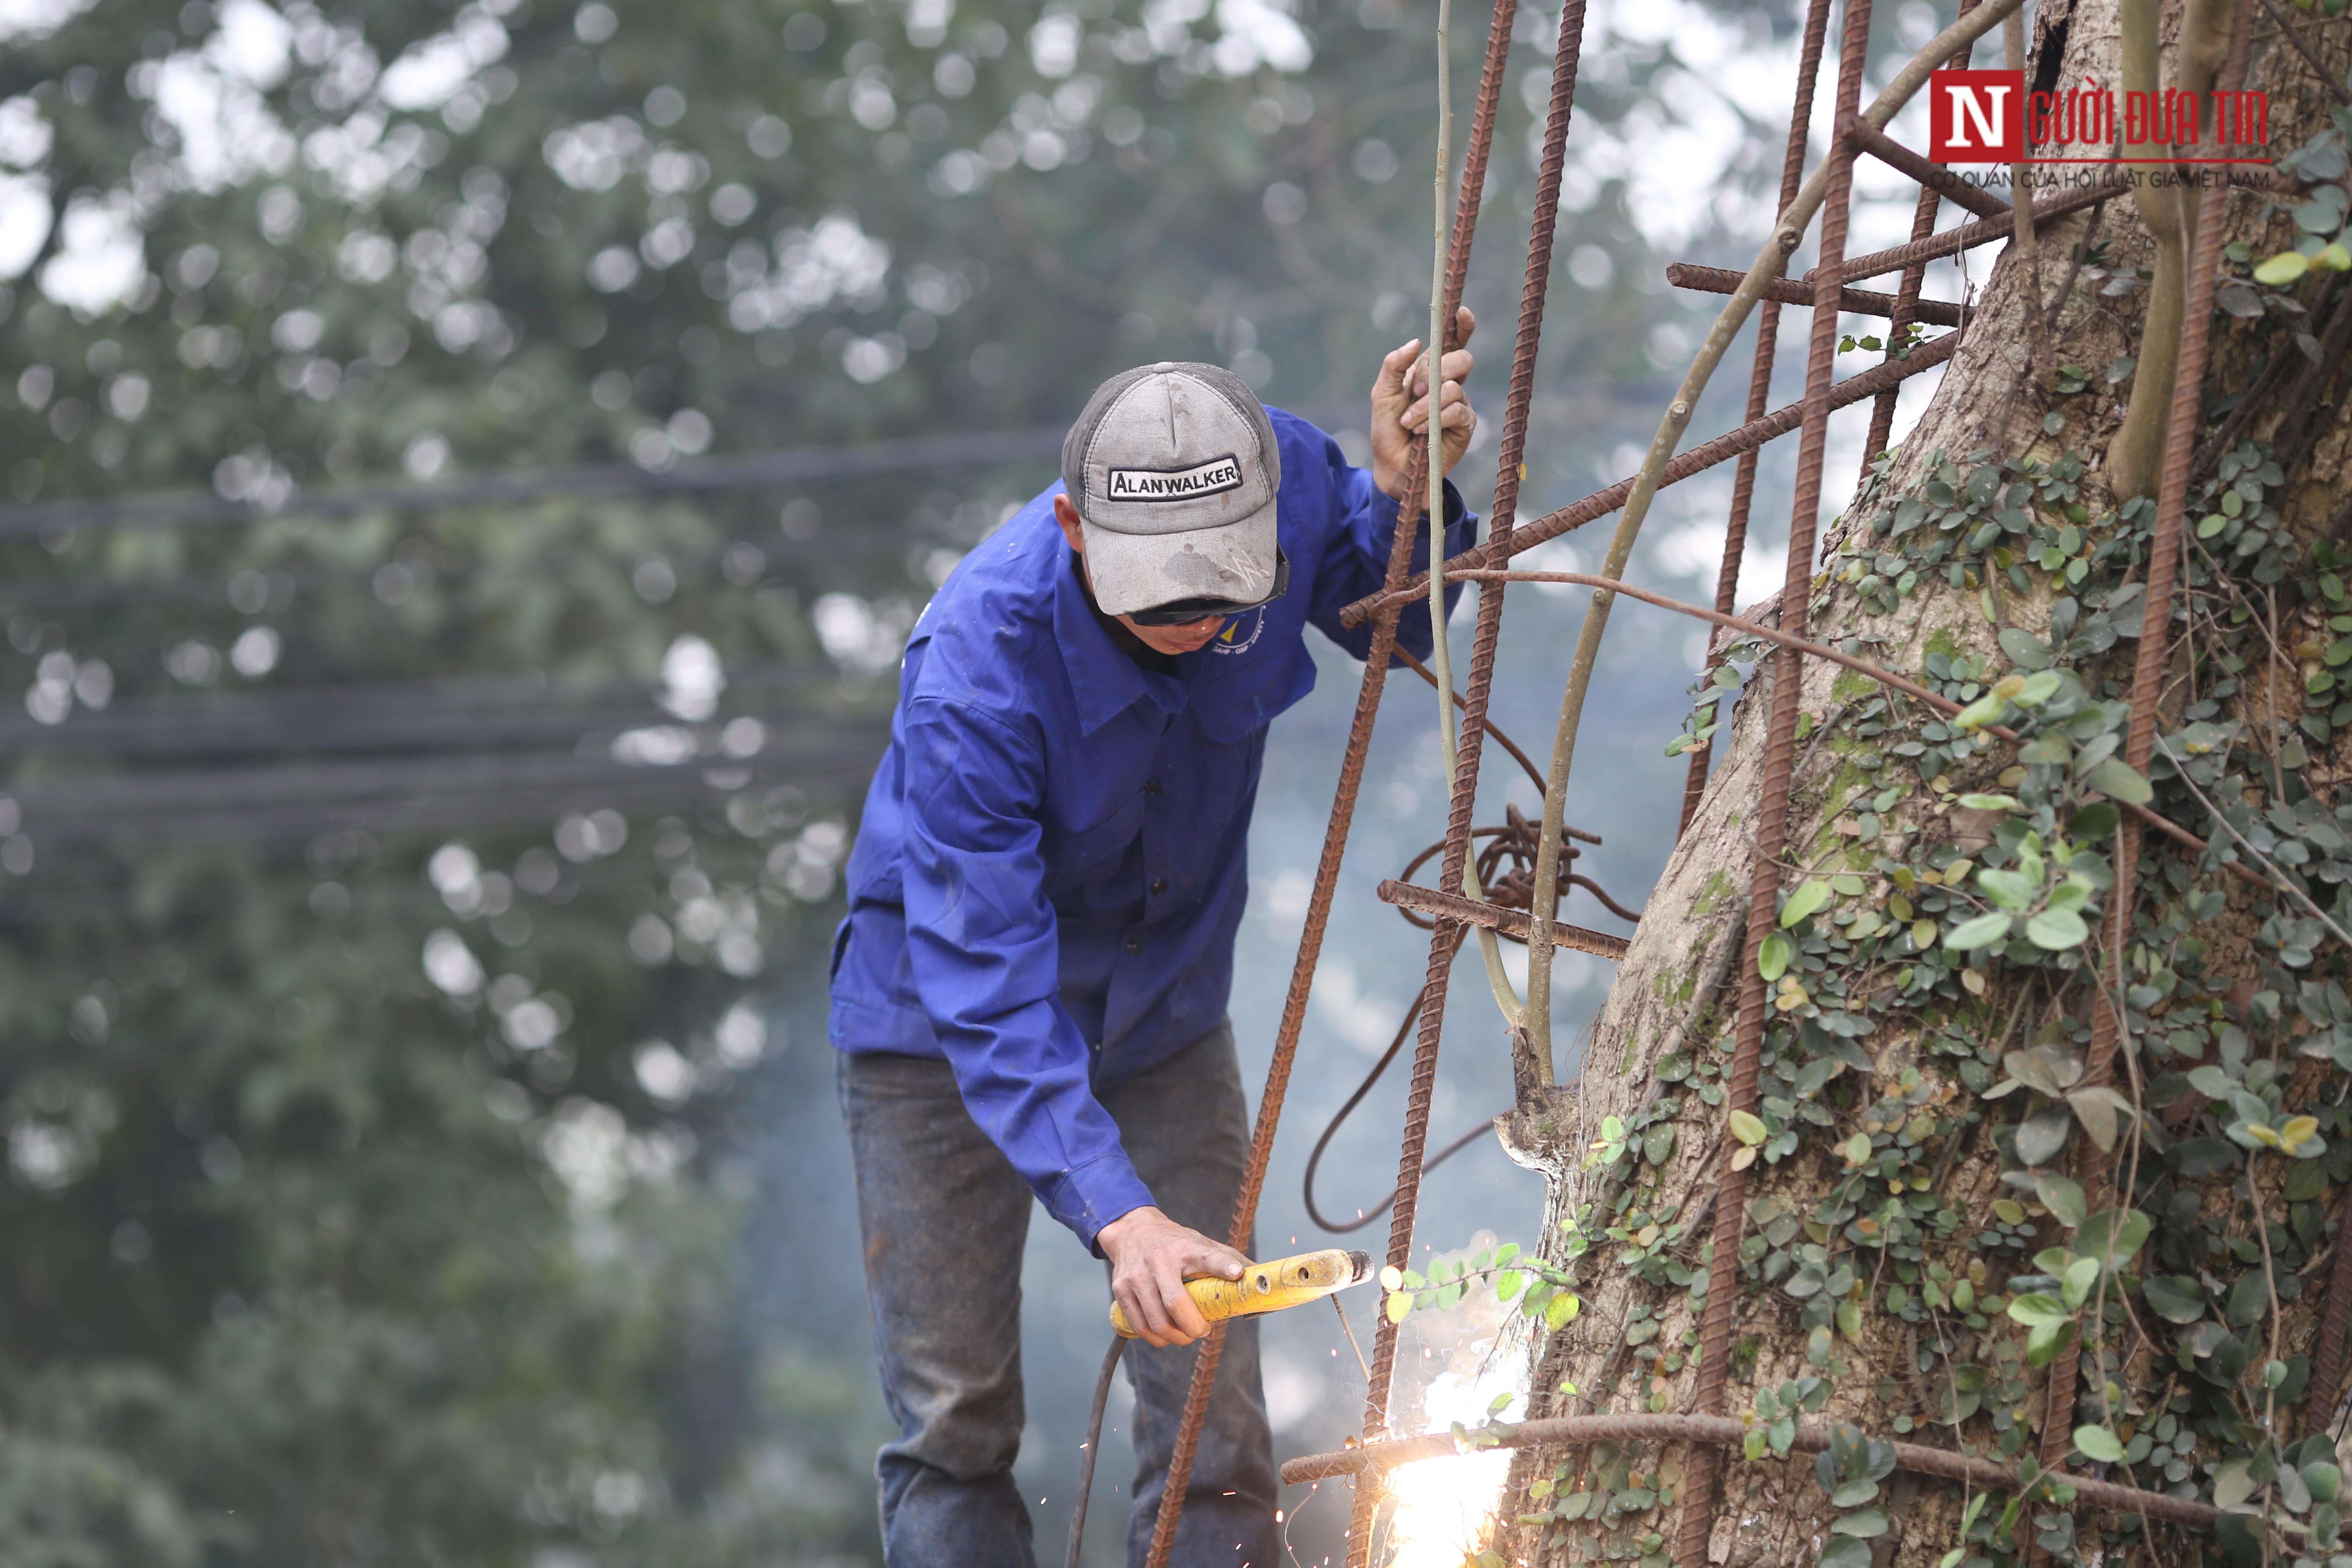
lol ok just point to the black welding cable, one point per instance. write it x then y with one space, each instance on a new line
1094 1446
1405 1031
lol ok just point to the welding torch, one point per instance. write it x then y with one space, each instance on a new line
1267 1286
1263 1288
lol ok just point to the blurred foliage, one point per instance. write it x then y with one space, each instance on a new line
361 1209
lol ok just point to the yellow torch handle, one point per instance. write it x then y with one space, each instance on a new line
1269 1287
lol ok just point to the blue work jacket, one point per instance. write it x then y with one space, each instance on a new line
1053 861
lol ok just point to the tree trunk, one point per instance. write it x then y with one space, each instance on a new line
1889 1309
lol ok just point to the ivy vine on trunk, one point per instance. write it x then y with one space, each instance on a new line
1949 1207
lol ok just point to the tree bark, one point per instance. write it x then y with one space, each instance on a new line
1662 1046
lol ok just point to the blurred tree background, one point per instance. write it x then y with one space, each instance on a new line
411 889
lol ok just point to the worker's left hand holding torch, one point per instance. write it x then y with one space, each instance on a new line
1150 1258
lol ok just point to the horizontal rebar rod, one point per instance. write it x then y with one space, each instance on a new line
1495 917
1726 1430
1789 291
1864 137
1698 460
1968 235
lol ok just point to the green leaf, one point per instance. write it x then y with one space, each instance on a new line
2073 893
1867 1525
1803 902
2056 931
1981 932
2063 1198
2176 1300
2098 1443
1846 1551
2081 1275
2285 267
1773 957
2119 779
2095 821
1990 801
1985 710
2037 1308
1749 1129
2013 891
2025 651
2250 1301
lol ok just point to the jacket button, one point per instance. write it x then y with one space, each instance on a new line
1134 945
1152 786
1159 885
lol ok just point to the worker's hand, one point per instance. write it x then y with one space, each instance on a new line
1150 1258
1401 408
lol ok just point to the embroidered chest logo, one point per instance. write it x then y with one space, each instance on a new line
1211 478
1234 639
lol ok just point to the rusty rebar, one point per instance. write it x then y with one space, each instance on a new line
1698 1510
1343 813
1444 942
1451 908
1907 308
2147 685
1865 137
2327 1386
1724 1431
1698 460
1789 291
1771 260
1760 379
1984 231
1302 978
1898 325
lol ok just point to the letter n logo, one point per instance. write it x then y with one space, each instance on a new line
1976 117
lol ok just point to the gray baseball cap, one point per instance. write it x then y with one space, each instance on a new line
1174 470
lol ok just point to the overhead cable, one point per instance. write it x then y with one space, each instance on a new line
787 466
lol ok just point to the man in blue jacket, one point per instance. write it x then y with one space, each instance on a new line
1029 994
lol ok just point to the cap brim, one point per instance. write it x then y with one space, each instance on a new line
1132 571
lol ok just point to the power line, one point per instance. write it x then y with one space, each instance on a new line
197 805
787 466
395 716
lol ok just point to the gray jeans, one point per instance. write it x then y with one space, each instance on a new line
944 1218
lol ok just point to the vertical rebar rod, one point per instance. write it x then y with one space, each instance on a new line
1703 1464
2148 683
1907 292
1445 942
1458 266
1759 387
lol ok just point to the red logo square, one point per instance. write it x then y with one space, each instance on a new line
1976 117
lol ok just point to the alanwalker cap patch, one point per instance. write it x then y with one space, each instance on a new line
1216 475
1173 471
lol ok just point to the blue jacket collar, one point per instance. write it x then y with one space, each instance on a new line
1105 681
